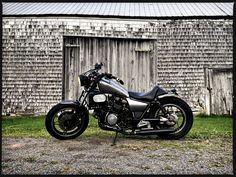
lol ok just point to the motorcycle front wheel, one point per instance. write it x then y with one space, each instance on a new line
180 117
66 121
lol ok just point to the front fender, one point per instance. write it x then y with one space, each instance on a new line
74 103
70 102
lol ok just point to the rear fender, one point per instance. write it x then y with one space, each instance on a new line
168 95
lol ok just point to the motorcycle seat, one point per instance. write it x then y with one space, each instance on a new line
148 96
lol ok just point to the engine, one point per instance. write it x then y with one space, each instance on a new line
110 110
111 119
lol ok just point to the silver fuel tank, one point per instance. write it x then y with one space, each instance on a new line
113 87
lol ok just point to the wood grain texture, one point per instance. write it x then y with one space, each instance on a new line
33 56
114 53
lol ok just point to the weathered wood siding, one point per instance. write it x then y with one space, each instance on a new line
71 64
129 59
219 90
33 55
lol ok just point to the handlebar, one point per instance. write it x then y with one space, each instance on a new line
93 73
110 76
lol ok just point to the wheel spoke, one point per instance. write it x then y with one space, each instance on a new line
64 118
175 112
178 124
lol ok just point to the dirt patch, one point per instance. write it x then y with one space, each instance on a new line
136 155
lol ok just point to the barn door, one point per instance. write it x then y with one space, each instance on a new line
219 83
71 68
130 59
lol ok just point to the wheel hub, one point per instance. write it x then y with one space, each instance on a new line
66 122
172 119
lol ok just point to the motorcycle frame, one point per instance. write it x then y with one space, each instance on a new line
156 101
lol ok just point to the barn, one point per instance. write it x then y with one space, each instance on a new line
186 46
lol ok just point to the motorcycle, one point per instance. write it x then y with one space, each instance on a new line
157 112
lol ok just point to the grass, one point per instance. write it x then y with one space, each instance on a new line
35 127
203 127
211 126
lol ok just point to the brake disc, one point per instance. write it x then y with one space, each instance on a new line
65 121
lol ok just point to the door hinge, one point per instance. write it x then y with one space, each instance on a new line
142 50
72 45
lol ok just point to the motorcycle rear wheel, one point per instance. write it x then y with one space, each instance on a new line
186 117
63 122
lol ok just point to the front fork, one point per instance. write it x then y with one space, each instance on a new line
85 93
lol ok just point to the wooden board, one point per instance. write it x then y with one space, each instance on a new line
129 59
219 84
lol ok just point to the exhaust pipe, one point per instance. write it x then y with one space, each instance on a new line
150 132
141 132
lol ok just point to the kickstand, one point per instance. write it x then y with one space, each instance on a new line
114 140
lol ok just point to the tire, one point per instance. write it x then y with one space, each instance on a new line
52 130
187 123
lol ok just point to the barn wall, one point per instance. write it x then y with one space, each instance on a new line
32 55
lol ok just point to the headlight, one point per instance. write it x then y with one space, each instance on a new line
83 80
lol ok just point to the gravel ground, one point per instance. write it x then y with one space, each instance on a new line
130 155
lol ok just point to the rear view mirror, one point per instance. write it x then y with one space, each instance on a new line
98 66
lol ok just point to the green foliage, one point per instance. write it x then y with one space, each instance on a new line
211 126
203 127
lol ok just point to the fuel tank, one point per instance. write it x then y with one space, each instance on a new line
113 87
